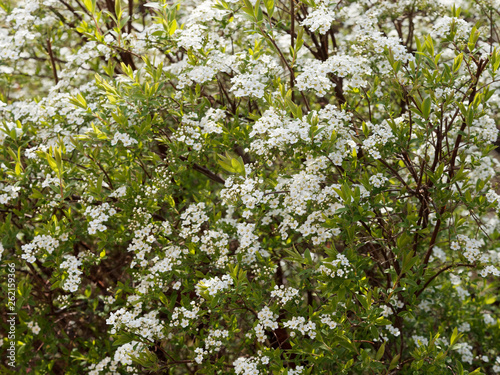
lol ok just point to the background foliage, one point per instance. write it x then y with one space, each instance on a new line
216 187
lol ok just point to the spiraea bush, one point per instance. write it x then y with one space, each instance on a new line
250 187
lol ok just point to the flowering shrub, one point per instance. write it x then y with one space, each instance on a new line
250 187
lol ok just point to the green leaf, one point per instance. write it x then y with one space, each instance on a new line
380 352
172 27
300 40
394 362
426 107
118 8
231 164
269 4
457 62
90 5
382 321
79 101
99 184
408 262
429 43
52 162
473 38
363 300
307 256
163 298
346 343
294 108
455 337
476 372
123 339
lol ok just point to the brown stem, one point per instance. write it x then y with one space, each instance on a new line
52 60
440 272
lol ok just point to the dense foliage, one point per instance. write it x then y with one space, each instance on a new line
249 187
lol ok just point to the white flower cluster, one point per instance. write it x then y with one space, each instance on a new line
189 134
462 293
40 242
313 226
485 129
284 295
70 265
496 367
339 267
279 130
213 342
88 51
420 341
213 285
192 130
192 219
141 245
249 243
443 92
106 364
489 270
425 305
248 84
299 323
9 126
120 318
442 27
315 73
396 302
321 17
378 180
126 139
386 311
245 188
147 326
464 327
99 215
191 36
19 21
267 319
465 350
11 192
124 352
166 228
200 352
181 316
487 168
327 319
471 247
214 241
393 330
488 320
35 328
367 30
154 276
438 253
297 371
120 192
249 365
304 188
201 74
381 134
205 70
492 196
210 123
